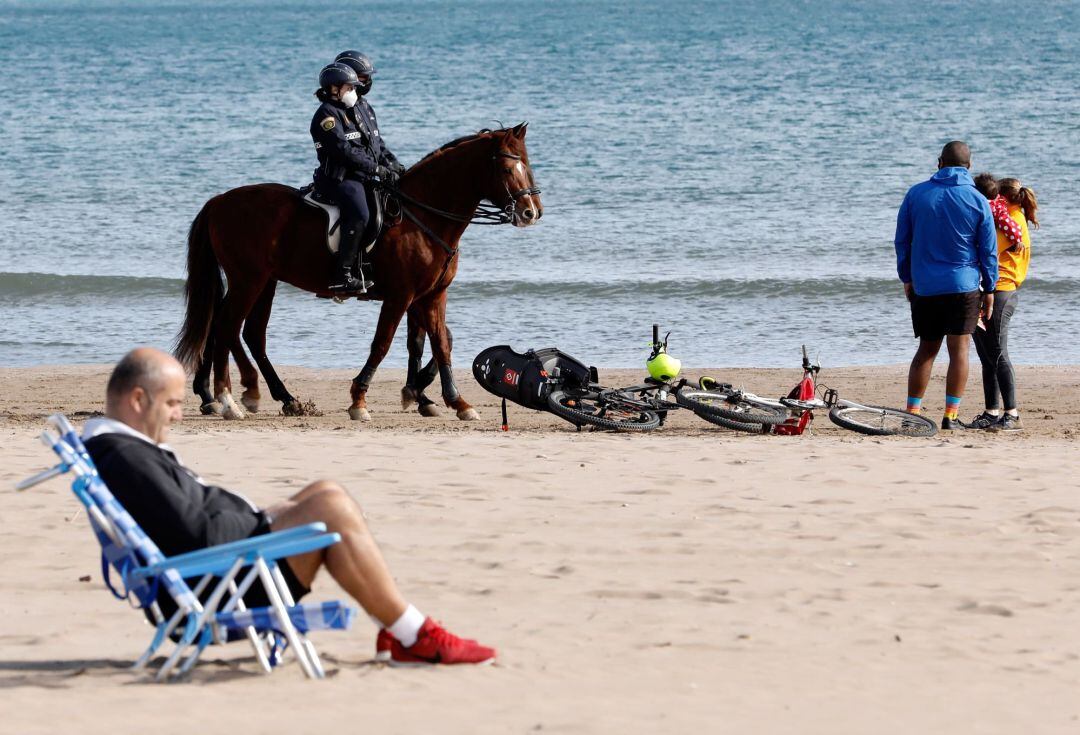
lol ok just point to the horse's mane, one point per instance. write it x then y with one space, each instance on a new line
458 141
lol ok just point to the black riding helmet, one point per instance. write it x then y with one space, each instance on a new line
359 63
334 75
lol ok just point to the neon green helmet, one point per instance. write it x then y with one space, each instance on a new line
664 367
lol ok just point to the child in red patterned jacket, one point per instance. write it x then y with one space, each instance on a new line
999 207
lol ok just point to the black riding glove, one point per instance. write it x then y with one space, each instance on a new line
386 176
397 167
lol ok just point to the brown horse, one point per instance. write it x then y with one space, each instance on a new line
261 234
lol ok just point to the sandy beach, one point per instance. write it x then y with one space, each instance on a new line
690 580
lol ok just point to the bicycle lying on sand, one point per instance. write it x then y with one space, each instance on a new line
641 407
744 411
551 380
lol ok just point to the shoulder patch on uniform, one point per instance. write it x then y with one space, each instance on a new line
328 123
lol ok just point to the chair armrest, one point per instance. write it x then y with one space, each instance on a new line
236 548
221 564
267 545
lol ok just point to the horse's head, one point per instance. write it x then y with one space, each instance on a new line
512 187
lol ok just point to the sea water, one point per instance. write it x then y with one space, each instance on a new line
730 170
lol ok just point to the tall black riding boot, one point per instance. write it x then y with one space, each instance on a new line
343 280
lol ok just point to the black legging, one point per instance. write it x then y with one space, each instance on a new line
992 344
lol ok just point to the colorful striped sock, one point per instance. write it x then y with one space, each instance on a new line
914 405
952 407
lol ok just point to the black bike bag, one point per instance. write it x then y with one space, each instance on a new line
523 378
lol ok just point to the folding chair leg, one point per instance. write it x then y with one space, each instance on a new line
160 634
287 627
207 614
170 662
316 662
260 650
236 600
286 595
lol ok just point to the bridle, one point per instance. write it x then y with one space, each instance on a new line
486 214
515 195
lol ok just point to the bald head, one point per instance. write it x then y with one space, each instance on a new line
146 392
955 153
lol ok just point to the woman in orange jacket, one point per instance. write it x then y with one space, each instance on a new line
992 338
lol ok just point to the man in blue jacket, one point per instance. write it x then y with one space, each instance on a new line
946 257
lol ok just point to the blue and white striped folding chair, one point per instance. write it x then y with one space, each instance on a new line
144 571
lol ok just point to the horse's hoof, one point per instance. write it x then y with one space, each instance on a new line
359 414
230 410
293 408
469 414
408 398
251 404
428 410
213 408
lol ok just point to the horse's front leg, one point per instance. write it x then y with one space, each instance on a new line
389 318
417 380
434 314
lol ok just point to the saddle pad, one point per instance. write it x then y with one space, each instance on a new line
333 219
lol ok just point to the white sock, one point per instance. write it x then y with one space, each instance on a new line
407 626
1014 412
994 411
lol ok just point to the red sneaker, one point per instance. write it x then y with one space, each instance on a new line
383 642
434 645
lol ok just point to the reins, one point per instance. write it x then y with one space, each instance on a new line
485 214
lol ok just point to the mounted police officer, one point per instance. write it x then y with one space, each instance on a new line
364 69
348 162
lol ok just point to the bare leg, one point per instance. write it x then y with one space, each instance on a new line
356 562
956 379
921 365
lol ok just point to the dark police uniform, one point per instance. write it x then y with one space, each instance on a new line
347 160
366 116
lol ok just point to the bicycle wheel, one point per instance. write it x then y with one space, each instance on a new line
719 420
882 421
731 406
604 412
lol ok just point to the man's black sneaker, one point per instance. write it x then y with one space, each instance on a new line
948 424
1008 422
983 421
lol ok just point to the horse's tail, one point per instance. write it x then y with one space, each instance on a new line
202 292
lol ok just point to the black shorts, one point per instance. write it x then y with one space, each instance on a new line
952 313
256 595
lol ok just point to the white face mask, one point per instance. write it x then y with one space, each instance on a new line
349 98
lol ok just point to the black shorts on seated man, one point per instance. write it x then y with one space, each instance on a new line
181 512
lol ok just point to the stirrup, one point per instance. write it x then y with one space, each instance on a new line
352 285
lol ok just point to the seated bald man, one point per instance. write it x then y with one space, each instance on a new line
181 513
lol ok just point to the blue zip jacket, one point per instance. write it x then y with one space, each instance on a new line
945 240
